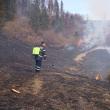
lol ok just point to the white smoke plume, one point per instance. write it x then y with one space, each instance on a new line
98 29
96 33
99 9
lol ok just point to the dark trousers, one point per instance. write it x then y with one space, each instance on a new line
38 62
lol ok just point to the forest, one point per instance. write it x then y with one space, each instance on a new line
42 14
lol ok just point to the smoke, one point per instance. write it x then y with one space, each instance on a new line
97 29
99 9
22 7
95 33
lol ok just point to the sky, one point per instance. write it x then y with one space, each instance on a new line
91 9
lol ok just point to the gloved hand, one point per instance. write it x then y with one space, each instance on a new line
45 57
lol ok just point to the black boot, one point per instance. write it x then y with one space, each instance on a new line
37 68
37 71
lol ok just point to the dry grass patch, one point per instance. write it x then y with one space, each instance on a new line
32 87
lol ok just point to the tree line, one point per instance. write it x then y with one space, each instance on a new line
43 14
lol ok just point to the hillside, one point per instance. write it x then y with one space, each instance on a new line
56 88
74 75
20 29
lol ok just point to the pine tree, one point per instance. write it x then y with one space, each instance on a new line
44 19
22 7
35 14
44 16
57 22
42 5
1 11
1 8
56 9
7 9
50 7
62 10
12 9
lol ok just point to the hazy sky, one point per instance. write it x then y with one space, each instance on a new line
94 9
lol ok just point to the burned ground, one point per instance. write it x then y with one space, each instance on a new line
97 62
53 88
53 91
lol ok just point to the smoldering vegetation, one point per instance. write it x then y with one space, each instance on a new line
78 55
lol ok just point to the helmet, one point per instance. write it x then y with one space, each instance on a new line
43 43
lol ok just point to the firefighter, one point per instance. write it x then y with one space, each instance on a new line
39 53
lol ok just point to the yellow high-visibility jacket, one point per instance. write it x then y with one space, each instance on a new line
36 51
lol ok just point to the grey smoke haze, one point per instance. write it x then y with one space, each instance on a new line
100 9
97 31
22 7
